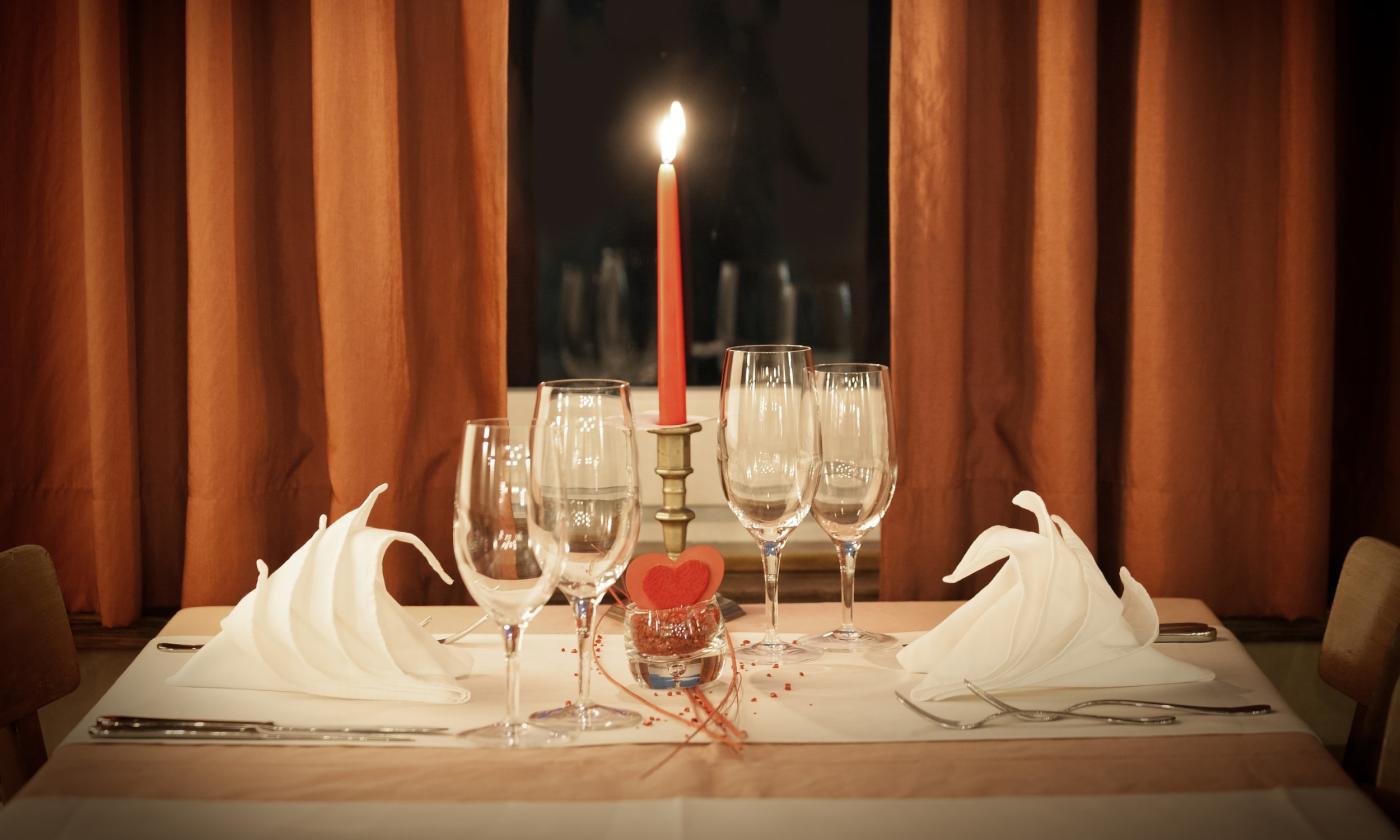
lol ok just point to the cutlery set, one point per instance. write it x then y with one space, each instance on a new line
1004 710
126 727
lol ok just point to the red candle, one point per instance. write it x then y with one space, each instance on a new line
670 308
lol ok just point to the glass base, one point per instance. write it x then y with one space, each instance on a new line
590 718
507 735
783 652
854 640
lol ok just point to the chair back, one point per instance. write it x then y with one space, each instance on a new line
38 662
1360 654
1387 790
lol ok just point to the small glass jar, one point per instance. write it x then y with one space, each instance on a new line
678 647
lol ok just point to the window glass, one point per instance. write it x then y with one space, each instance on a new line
782 174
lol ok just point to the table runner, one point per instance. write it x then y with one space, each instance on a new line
932 775
841 698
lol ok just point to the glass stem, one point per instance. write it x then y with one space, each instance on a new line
583 618
846 552
510 633
772 559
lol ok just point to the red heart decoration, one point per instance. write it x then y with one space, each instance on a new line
676 586
657 583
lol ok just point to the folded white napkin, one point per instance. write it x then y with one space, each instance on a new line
325 624
1048 618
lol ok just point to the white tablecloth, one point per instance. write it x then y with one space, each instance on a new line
840 698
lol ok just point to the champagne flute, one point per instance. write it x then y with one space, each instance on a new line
584 434
508 554
855 482
769 450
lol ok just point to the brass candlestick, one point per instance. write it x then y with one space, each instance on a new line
673 465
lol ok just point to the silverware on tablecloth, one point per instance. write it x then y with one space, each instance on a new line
177 647
1046 715
136 722
1185 631
460 633
1255 709
177 734
946 723
1251 709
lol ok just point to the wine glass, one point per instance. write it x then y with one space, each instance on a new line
769 450
508 554
584 435
855 481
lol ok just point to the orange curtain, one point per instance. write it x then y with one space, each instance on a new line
1113 274
254 265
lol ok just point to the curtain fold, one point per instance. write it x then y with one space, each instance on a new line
992 253
256 406
304 299
1113 270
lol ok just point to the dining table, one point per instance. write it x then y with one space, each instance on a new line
1266 776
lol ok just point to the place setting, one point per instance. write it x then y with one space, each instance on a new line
320 653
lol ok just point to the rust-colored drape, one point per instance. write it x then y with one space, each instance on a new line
254 265
1113 275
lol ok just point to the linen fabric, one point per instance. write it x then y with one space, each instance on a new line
1047 619
324 624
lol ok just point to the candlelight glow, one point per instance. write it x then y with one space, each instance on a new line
670 132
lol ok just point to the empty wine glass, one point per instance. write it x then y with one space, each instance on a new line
855 482
584 437
507 552
769 450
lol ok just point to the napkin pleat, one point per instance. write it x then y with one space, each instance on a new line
324 623
1047 618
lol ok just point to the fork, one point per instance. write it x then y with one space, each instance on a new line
1042 715
946 723
1253 709
961 726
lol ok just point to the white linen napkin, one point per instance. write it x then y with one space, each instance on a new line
325 624
1048 618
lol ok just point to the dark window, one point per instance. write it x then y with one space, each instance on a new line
782 172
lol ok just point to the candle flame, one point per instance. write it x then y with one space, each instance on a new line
678 117
670 132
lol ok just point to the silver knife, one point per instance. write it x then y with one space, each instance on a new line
177 734
141 722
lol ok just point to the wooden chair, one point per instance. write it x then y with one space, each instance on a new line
1360 654
38 663
1387 789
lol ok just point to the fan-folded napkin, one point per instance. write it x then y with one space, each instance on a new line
1047 619
325 624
